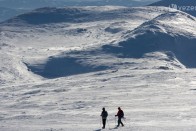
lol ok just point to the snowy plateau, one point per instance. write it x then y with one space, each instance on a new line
60 66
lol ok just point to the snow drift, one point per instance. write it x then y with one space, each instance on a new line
12 69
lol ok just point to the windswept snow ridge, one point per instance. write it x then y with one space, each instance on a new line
161 34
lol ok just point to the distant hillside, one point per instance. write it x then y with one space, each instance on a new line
7 13
188 6
10 8
50 15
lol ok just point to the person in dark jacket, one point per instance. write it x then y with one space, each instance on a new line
120 115
104 115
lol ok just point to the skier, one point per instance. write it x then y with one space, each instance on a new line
104 115
120 115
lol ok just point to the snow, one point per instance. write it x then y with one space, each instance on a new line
151 100
58 75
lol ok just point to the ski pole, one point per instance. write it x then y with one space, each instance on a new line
108 123
124 119
115 120
100 121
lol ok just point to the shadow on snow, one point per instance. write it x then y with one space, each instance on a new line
63 66
179 47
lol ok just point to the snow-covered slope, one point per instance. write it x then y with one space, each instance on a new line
89 36
10 8
171 44
77 15
38 38
57 74
172 32
13 69
188 6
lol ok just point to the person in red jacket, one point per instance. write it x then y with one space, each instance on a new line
120 115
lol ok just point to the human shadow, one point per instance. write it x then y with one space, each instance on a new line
97 130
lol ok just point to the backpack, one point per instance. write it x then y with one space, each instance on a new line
104 114
121 114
